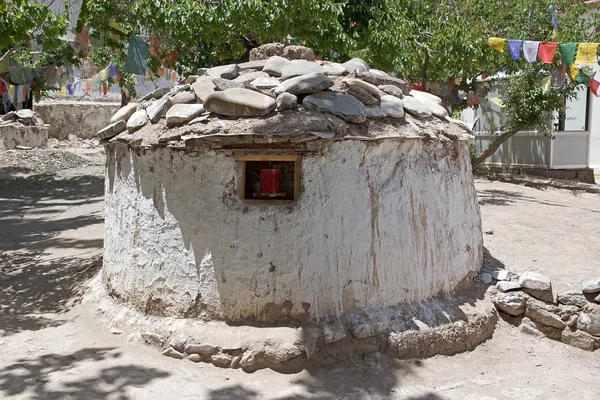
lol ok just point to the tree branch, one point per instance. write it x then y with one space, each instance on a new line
491 149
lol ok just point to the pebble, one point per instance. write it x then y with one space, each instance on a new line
591 286
304 84
342 105
240 103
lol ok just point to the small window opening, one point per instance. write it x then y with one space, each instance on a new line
269 179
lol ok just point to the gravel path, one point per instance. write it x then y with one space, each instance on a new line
51 347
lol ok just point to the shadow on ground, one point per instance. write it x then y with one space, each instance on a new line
34 377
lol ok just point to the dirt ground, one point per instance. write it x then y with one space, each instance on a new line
51 347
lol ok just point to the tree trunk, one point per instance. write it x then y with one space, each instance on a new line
495 145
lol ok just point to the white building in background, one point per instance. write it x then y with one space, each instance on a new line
574 152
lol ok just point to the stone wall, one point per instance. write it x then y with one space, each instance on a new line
377 223
15 134
80 118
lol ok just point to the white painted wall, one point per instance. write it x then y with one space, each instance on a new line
594 127
377 224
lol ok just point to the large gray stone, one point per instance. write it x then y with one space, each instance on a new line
230 71
511 303
296 69
286 101
250 76
226 84
112 130
356 64
579 339
391 90
203 87
434 108
137 120
156 94
240 103
181 114
265 83
257 64
419 94
304 84
332 68
184 98
591 286
390 106
544 314
377 78
266 51
505 286
535 328
124 113
362 95
589 323
298 53
342 105
17 136
416 107
537 285
158 108
372 89
572 298
275 65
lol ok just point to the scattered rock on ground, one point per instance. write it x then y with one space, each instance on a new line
124 113
266 51
286 101
112 130
137 120
505 286
304 84
513 303
298 53
240 103
544 314
342 105
183 113
537 285
501 275
579 339
589 323
572 298
591 286
171 352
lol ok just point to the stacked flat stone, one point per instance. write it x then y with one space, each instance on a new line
279 79
571 317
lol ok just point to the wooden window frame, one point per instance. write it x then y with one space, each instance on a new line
242 159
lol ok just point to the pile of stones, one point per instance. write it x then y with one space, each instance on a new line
278 79
572 317
24 117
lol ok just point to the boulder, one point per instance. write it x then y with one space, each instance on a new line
572 298
505 286
275 65
332 68
124 113
362 95
230 71
250 76
226 84
591 286
181 114
266 51
240 103
203 87
391 90
511 303
298 53
286 101
158 108
589 323
579 339
296 69
544 314
342 105
372 89
257 64
137 120
184 98
416 107
537 285
265 83
304 84
112 130
355 64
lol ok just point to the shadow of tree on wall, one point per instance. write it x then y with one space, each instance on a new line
32 377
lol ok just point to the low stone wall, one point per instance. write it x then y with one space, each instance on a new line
14 135
80 118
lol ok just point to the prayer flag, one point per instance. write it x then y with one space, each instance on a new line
514 47
546 84
530 50
553 20
567 52
584 78
573 71
586 53
497 43
137 56
546 51
594 85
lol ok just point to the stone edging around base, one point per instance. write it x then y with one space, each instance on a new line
446 325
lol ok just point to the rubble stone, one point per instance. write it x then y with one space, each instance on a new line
230 71
203 87
511 303
377 78
486 278
256 64
333 333
579 339
226 84
362 95
191 79
342 105
505 286
372 89
591 286
392 90
534 328
589 323
250 76
153 339
544 314
265 83
366 330
304 84
286 101
201 349
537 285
184 98
137 120
124 113
501 275
572 298
266 51
298 53
356 64
171 352
156 94
275 65
419 94
183 113
415 107
240 103
332 68
112 130
297 69
158 108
